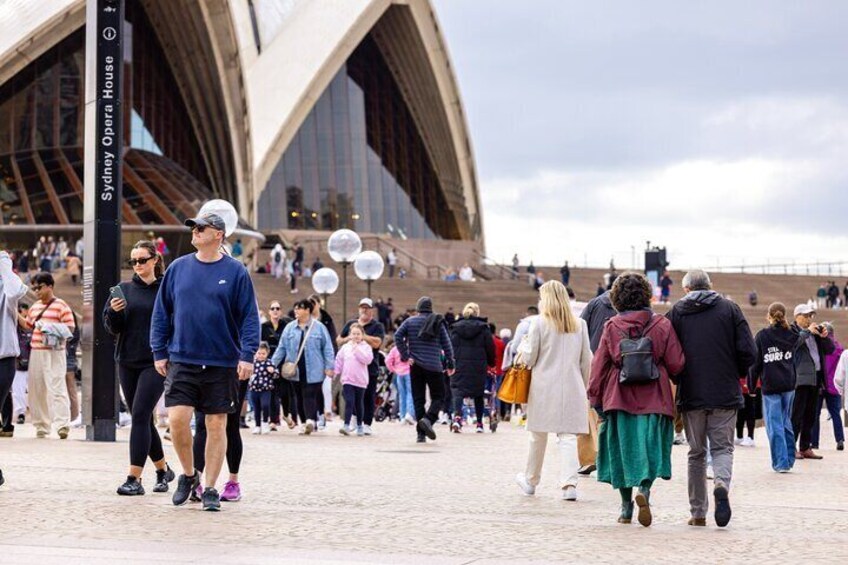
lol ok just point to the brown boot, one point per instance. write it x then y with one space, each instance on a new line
810 454
697 521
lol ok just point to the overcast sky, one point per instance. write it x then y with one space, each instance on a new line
718 129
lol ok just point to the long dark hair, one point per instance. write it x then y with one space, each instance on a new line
150 246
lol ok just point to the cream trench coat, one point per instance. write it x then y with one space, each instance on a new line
561 365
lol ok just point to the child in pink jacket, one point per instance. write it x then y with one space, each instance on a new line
352 364
406 409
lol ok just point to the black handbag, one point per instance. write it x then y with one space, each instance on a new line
637 359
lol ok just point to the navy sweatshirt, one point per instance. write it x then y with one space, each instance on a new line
132 324
205 314
425 352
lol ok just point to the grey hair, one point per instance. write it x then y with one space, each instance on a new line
697 279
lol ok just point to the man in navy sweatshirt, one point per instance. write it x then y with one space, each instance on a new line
204 334
423 340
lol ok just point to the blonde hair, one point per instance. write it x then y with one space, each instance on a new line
471 309
555 307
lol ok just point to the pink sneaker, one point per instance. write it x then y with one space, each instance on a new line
232 492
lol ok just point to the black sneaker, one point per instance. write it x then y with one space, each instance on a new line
243 424
722 506
211 500
21 419
426 427
185 486
132 487
163 477
421 438
2 480
840 446
587 469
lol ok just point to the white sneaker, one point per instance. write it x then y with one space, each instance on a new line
366 429
679 439
526 488
569 493
309 427
710 473
747 442
738 441
124 419
256 431
266 428
77 423
410 419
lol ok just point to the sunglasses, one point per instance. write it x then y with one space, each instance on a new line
142 261
274 308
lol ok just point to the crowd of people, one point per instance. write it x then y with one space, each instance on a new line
615 382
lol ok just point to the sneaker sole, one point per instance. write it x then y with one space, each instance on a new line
645 518
212 508
722 503
230 499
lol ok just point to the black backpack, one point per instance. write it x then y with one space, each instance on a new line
278 257
637 359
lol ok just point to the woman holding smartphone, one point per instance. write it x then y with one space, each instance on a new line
127 317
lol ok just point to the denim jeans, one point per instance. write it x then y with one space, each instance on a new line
261 403
777 416
404 395
834 405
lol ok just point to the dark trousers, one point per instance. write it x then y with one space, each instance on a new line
458 402
7 376
276 400
354 403
369 400
142 387
307 400
422 379
260 400
804 414
834 404
448 405
235 448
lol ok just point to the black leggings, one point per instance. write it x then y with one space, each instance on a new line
142 389
7 377
307 395
234 444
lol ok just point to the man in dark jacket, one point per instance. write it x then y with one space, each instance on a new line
474 349
809 377
596 313
719 349
423 341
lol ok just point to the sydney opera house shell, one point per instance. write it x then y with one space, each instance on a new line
306 114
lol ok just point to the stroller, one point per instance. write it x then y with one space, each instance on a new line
385 401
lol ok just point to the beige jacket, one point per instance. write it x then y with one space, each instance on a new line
561 366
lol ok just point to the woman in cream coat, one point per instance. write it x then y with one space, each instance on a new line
557 349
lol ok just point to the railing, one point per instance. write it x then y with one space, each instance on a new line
493 269
816 268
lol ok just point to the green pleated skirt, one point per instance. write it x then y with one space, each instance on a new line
633 448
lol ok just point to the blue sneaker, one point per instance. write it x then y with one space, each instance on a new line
360 431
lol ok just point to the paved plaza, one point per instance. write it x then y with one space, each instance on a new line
385 499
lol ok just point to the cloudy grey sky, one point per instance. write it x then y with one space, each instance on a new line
718 129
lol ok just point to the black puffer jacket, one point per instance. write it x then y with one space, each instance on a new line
132 325
474 350
596 314
719 350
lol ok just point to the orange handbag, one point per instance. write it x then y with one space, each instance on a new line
516 384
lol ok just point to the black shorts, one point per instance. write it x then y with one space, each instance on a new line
211 390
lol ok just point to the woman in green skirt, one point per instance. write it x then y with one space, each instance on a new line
633 396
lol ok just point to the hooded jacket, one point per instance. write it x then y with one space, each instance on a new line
132 325
421 349
474 351
596 313
774 367
605 392
719 349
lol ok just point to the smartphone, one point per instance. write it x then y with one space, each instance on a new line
116 292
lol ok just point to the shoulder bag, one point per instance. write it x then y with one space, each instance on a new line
516 384
289 369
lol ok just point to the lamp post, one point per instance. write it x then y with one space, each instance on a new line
325 282
369 267
343 247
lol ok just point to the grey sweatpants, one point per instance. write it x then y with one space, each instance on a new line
718 425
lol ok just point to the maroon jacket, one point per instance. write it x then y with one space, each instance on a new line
655 398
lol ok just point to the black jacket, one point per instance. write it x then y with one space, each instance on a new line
474 350
272 336
719 350
805 369
596 313
774 367
132 325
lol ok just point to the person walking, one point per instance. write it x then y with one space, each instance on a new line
12 290
774 371
810 372
204 335
52 323
325 401
829 395
637 429
401 370
283 393
307 344
474 351
424 343
557 349
71 374
565 274
719 348
128 319
351 366
375 333
391 261
261 384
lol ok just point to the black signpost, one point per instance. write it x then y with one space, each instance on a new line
103 197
